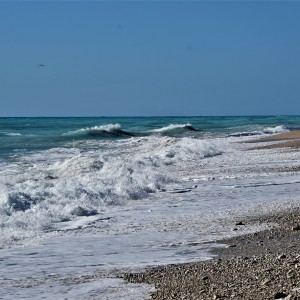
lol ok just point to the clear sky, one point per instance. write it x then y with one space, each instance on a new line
149 58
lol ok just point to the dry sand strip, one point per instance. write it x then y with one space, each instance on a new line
291 140
287 144
263 265
293 135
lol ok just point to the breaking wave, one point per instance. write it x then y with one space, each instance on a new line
10 134
40 193
114 131
276 129
268 130
104 131
174 129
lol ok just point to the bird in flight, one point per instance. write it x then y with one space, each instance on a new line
41 65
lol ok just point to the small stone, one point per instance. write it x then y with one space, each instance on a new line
266 282
294 262
268 270
282 256
280 295
296 228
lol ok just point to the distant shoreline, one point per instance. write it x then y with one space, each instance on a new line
282 140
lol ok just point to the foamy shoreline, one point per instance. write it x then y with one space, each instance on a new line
262 265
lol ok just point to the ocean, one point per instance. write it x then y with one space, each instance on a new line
84 198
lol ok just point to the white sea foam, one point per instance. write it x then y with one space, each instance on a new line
11 133
56 185
276 129
260 130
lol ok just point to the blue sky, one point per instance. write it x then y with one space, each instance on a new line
149 58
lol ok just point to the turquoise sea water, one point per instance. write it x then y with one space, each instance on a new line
22 135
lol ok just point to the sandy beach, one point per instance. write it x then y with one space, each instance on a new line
289 139
261 265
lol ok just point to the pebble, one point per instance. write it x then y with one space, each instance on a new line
280 295
296 228
281 256
266 282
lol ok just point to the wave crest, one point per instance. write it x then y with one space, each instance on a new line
108 130
10 134
276 129
174 128
76 184
267 130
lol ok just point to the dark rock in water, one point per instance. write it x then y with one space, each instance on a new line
50 177
280 295
80 212
239 223
65 220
